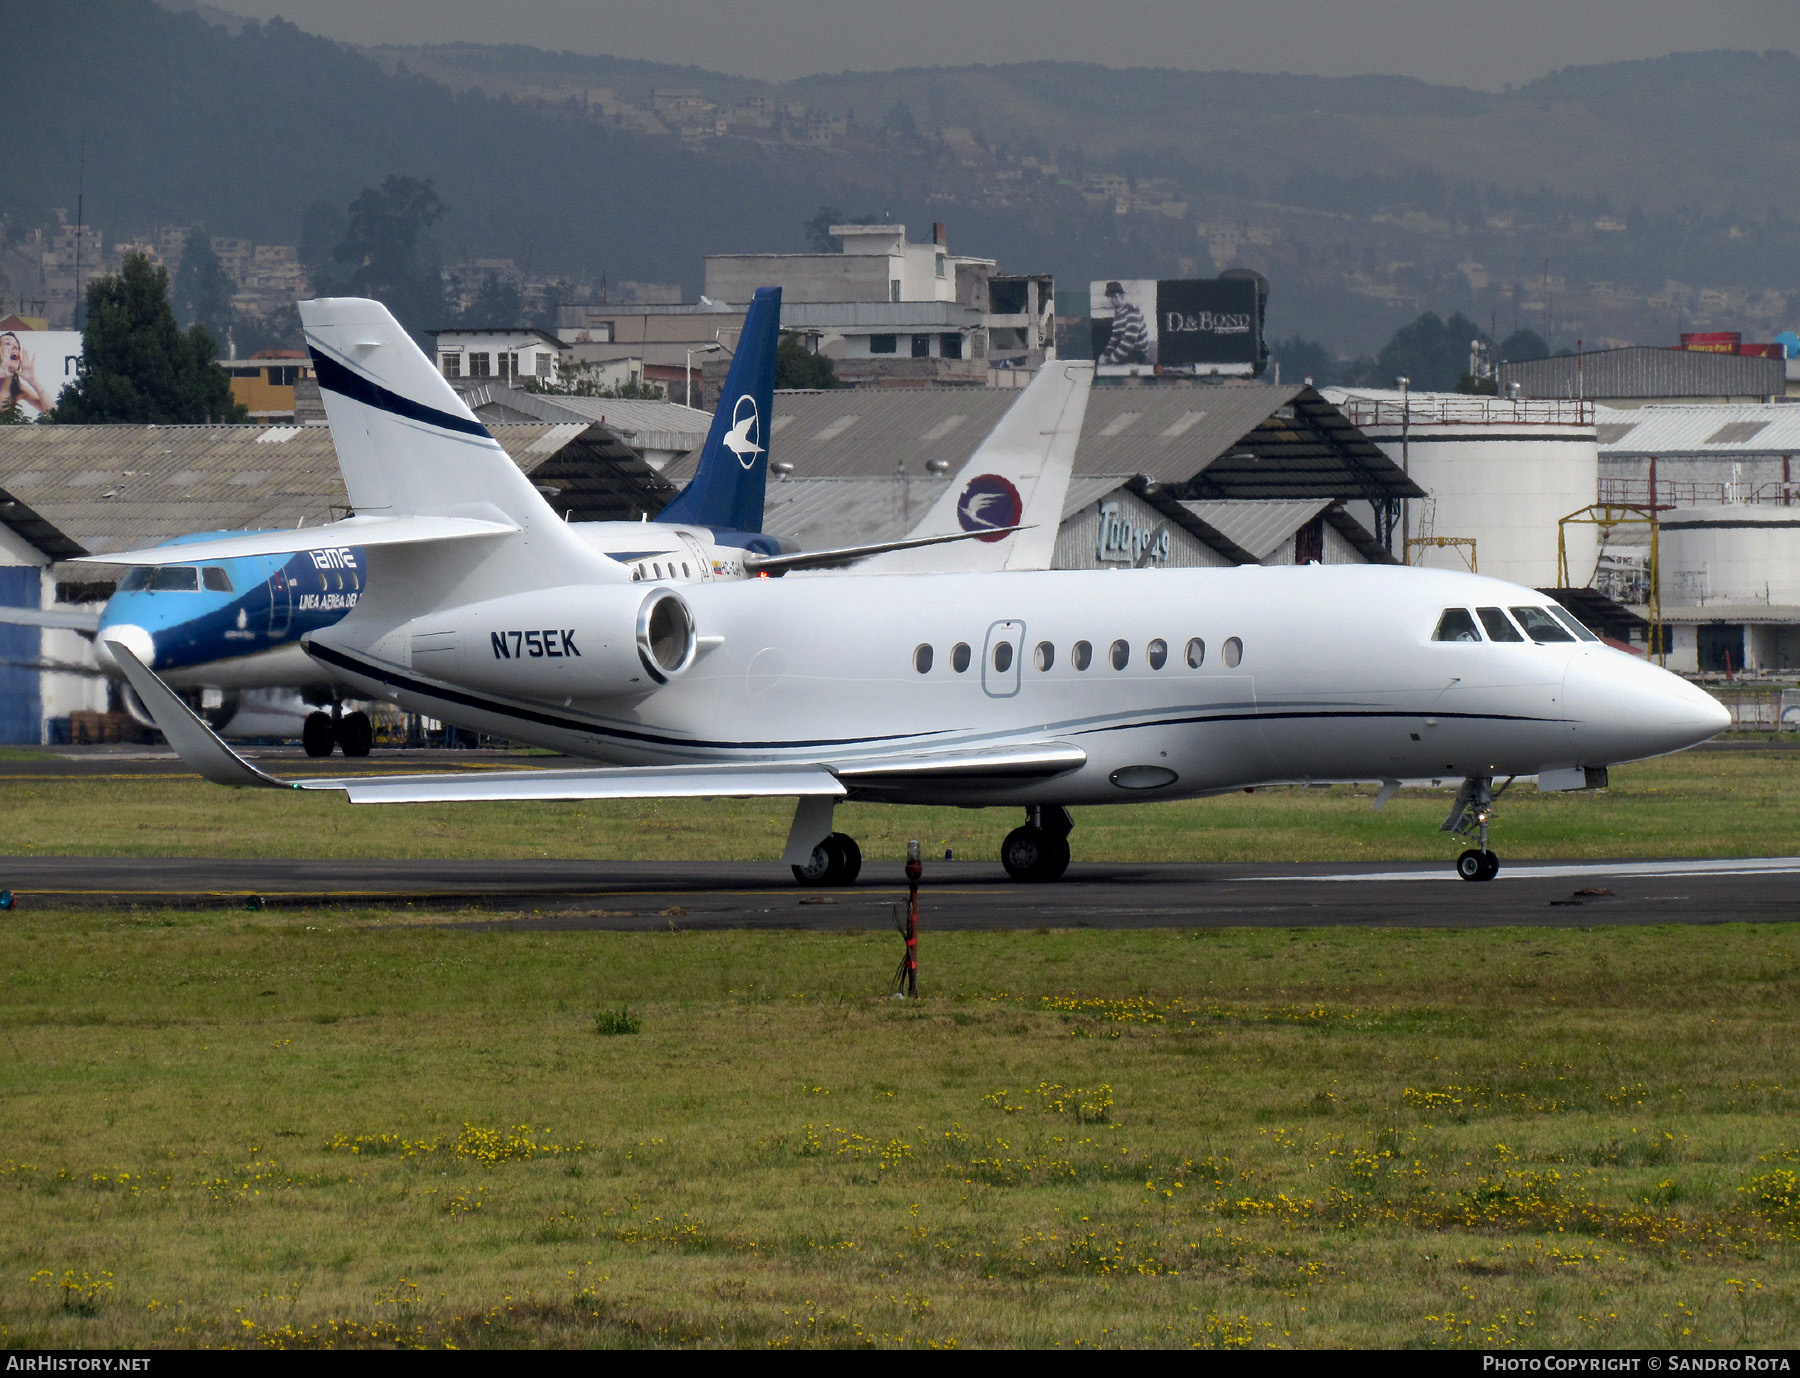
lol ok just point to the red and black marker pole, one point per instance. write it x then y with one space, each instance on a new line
906 980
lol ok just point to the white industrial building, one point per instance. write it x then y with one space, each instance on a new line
1498 473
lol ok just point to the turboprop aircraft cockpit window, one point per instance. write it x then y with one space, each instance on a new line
1196 653
1573 623
135 579
1157 653
215 579
173 579
1456 625
1082 655
1498 628
1121 655
959 657
1046 655
1540 626
922 658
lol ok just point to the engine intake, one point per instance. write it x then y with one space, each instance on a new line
665 635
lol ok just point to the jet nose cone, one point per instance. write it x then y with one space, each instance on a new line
134 638
1624 709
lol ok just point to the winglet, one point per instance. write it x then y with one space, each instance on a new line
195 742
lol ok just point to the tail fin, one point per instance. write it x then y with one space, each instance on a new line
1018 478
726 491
408 445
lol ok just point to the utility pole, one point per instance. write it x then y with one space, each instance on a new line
1405 386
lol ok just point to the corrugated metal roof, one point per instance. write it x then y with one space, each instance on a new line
1258 527
1647 371
819 513
643 422
1223 441
1092 488
116 487
1722 431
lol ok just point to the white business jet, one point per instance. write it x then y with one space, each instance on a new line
1038 690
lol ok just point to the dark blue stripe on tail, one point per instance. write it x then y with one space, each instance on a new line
334 377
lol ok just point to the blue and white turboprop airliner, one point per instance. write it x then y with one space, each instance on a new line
1037 690
221 628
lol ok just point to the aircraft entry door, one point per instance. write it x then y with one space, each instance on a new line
281 602
1000 659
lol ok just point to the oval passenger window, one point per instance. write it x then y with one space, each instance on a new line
1121 655
922 659
959 658
1157 653
1003 656
1234 652
1082 655
1046 655
1196 653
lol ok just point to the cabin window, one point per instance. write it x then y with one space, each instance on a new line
1157 653
1196 653
1573 623
658 569
922 658
1234 652
1003 656
1498 628
1045 656
1121 655
1540 626
686 573
1081 655
174 579
960 657
1456 625
215 580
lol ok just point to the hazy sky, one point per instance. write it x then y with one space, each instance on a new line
1482 43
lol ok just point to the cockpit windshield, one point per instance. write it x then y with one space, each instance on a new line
160 579
1540 626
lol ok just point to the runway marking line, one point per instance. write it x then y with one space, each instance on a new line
1737 866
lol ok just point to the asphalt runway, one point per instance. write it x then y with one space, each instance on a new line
625 896
551 894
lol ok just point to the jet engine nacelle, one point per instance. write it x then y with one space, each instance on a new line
577 642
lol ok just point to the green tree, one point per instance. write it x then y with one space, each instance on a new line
322 229
798 367
138 365
202 289
1301 358
496 303
1522 344
386 252
819 238
1430 351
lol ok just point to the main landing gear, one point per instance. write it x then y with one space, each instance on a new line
835 861
1469 817
351 731
1039 851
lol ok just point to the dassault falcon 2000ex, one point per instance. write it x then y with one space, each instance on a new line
1039 690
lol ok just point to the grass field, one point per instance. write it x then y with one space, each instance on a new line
250 1130
1698 804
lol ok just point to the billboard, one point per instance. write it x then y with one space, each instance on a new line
35 366
1144 326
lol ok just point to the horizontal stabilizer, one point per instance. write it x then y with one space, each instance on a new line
352 531
56 619
840 556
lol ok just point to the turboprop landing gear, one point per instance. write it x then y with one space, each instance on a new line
1039 851
835 861
1469 817
350 731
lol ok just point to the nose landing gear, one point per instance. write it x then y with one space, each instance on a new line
1469 817
1039 851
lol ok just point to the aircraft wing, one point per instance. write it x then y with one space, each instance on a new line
207 753
352 531
840 556
58 619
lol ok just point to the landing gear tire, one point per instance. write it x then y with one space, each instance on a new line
317 735
835 861
1477 865
1034 855
354 734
